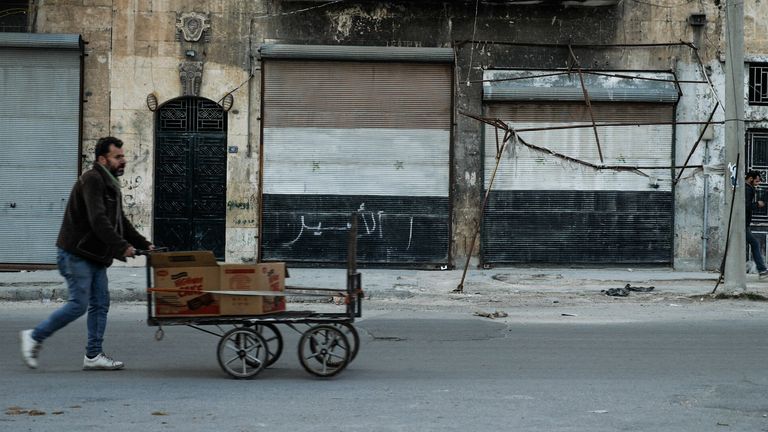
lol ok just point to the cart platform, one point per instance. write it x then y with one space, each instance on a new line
249 344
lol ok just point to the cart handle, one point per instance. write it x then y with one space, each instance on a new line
147 251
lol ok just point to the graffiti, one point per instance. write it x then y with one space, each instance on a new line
371 221
404 43
316 230
129 201
239 205
245 221
131 183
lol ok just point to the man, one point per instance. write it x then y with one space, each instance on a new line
751 202
93 232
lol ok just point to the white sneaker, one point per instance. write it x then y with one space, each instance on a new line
29 348
101 362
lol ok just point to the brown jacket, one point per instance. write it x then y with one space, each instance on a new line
94 225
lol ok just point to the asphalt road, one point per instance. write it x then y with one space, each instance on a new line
416 371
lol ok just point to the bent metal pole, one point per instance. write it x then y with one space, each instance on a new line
508 134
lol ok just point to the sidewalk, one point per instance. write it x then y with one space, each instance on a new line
128 283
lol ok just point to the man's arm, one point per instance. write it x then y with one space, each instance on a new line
94 191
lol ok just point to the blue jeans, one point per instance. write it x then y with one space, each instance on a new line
754 244
88 291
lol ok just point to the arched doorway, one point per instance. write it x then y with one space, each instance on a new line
190 175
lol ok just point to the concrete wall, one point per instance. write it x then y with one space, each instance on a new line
132 52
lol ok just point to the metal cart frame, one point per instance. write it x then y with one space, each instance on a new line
326 347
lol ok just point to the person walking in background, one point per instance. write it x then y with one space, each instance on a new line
94 232
753 179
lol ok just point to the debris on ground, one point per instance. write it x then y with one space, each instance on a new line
492 315
16 410
739 296
623 292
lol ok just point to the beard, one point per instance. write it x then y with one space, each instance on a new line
117 171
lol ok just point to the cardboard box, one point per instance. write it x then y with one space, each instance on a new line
252 277
187 274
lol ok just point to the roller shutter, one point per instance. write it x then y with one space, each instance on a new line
544 209
40 77
342 136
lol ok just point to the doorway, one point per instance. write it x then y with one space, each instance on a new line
190 175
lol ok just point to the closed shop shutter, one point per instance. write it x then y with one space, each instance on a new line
544 209
39 141
344 136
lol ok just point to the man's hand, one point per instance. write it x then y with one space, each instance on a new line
151 247
760 204
130 252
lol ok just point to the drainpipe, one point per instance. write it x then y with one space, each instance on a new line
706 136
705 229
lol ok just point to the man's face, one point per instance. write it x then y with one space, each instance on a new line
754 181
114 161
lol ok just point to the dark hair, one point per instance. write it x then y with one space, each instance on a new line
102 146
754 174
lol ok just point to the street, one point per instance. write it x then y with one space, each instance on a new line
416 371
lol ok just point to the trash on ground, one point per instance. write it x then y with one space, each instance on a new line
492 315
623 292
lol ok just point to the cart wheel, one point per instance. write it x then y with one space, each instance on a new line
324 350
274 341
242 353
352 336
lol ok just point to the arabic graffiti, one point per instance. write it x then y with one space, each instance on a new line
390 229
370 221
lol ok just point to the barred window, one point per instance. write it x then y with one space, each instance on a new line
758 84
757 159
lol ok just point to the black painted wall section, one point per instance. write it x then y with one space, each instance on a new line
604 227
392 230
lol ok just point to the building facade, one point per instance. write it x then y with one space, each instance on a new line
253 128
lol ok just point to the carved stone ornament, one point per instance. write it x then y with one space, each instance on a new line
191 75
192 25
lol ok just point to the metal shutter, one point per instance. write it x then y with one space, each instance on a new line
39 141
545 209
346 136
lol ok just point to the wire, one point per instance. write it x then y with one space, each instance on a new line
235 89
9 12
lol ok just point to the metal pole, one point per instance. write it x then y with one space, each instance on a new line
735 259
705 223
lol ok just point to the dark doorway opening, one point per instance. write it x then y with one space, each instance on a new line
190 175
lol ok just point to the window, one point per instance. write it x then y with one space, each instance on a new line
758 84
757 159
13 16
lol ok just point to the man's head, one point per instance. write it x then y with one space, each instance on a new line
753 177
109 153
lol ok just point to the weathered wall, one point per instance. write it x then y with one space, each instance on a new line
650 24
450 23
446 24
133 51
